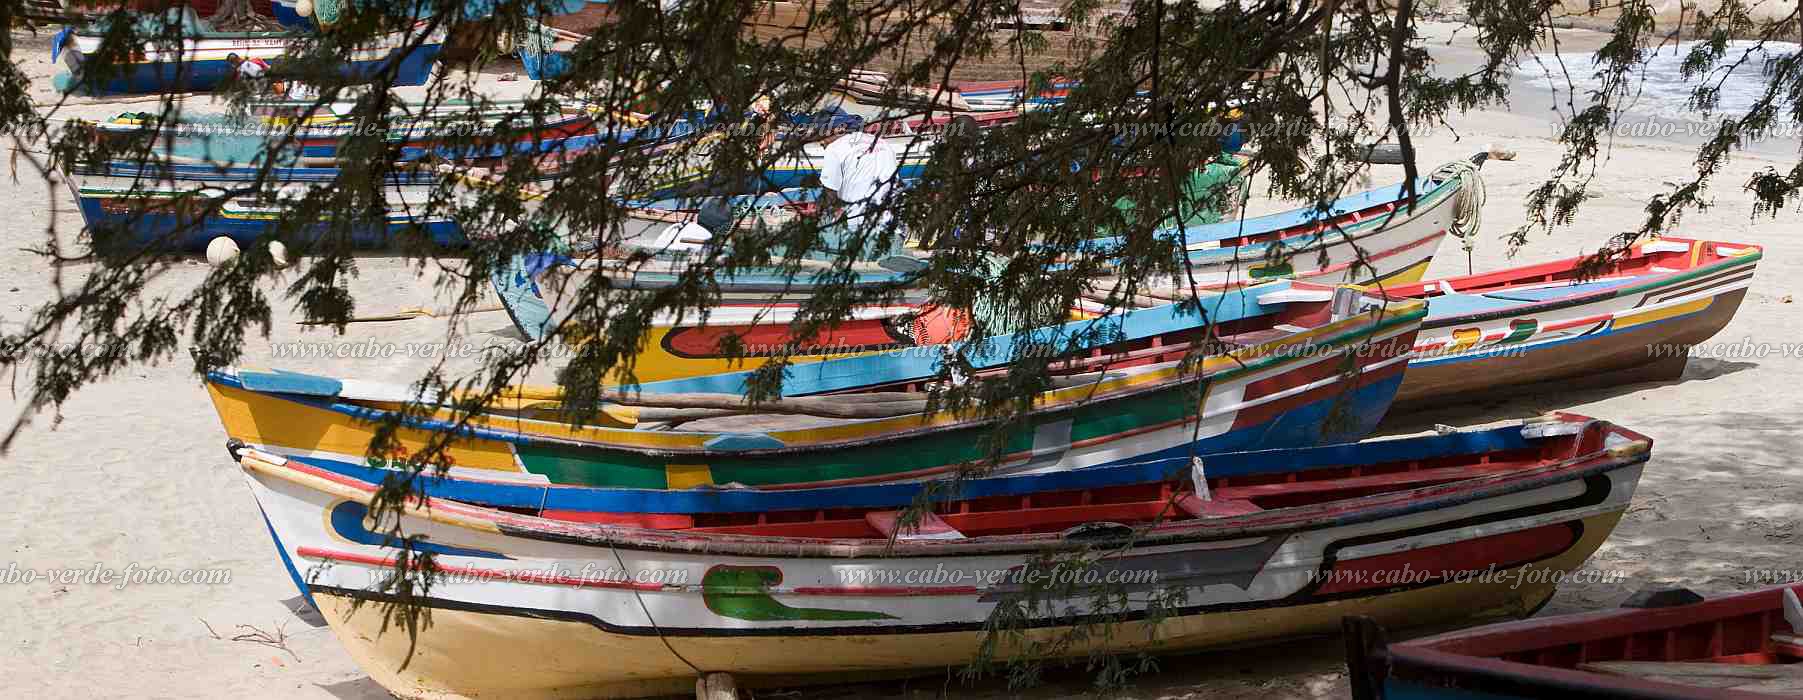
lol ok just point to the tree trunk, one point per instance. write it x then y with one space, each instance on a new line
239 16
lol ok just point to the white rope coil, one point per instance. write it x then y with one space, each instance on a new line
1468 208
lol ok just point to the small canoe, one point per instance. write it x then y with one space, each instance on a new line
1633 320
790 587
1669 645
1291 367
200 64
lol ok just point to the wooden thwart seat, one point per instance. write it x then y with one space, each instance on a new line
1218 508
930 527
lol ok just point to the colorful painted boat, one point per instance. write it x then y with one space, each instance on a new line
1394 238
200 64
182 207
1672 645
292 13
1633 320
779 588
220 139
1398 243
1289 372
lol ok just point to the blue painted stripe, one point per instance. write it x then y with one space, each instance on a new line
300 584
347 522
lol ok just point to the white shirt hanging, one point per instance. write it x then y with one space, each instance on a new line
858 167
686 236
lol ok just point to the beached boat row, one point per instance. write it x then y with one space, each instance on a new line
1231 482
684 527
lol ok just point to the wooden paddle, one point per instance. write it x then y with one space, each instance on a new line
409 313
486 179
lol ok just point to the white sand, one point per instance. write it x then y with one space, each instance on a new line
134 473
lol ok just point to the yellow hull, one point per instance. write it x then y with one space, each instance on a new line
656 364
1410 275
473 654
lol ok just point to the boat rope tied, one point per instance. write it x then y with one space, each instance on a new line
1199 476
1468 205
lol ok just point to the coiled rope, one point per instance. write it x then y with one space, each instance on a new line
1468 208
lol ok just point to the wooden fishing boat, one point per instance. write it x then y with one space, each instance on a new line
1291 366
182 207
1397 240
181 204
224 140
533 601
1011 94
200 62
1669 645
1398 243
1633 320
293 13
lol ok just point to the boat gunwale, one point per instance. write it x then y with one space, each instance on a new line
1346 337
1643 283
1275 522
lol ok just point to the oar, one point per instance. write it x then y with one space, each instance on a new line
410 313
884 405
484 179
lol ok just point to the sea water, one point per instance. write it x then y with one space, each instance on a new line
1659 88
1657 103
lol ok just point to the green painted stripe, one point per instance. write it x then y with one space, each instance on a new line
1520 329
568 464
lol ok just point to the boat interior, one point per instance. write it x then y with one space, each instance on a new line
1750 642
1475 294
1088 501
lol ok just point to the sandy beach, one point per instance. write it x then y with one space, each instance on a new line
132 478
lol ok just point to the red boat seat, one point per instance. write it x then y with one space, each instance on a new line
930 527
1218 508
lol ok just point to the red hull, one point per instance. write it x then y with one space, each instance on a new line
1548 657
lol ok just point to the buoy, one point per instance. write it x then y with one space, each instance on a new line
304 8
221 250
278 254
